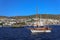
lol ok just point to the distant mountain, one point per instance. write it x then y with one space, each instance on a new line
3 17
33 16
41 16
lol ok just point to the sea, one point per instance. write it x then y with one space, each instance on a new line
9 33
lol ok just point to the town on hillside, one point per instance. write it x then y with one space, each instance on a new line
18 21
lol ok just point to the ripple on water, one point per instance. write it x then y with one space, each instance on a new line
25 34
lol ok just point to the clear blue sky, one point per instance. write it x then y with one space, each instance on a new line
28 7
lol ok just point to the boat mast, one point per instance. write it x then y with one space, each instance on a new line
36 9
37 13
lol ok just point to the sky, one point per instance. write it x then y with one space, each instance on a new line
28 7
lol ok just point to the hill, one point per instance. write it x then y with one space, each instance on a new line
50 16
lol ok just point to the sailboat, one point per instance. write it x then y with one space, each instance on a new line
38 25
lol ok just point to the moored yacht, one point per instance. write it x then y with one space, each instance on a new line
39 25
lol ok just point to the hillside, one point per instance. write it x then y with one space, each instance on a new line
41 16
33 16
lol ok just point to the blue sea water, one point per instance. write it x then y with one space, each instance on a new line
8 33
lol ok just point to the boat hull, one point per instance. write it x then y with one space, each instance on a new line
36 31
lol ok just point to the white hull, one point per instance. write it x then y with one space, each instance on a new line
36 31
